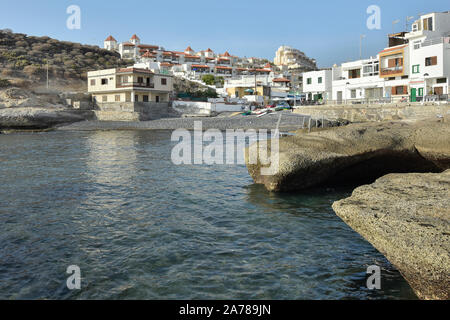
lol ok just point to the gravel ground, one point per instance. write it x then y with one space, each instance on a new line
289 121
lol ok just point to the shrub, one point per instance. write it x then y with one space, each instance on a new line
4 83
208 79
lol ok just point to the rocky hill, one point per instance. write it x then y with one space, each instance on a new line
26 57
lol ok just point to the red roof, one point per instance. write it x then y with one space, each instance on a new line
199 66
209 50
281 80
128 44
135 37
227 59
111 38
190 56
226 54
150 46
188 49
166 64
227 68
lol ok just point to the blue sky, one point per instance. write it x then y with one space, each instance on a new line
328 31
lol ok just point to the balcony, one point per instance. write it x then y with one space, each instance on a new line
136 85
391 71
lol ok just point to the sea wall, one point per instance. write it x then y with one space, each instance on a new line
364 113
205 108
132 111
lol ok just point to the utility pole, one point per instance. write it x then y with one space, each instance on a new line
47 76
360 46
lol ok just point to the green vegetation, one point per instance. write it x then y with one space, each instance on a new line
25 56
4 83
199 95
210 80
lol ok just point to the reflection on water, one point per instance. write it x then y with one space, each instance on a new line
142 228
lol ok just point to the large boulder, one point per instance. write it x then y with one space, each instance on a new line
407 218
37 118
360 152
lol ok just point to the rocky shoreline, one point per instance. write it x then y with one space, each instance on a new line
405 215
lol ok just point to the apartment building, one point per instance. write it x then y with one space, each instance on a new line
357 80
129 85
415 66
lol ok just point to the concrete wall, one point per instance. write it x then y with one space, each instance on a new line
132 111
364 113
204 108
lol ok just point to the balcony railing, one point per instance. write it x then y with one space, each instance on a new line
135 84
391 71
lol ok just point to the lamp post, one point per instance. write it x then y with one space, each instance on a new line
425 86
360 45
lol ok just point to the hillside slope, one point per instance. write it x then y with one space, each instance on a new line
26 57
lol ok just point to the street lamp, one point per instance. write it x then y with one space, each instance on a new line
360 46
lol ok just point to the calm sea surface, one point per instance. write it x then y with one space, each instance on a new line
141 228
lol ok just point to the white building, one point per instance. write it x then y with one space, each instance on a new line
357 80
317 85
129 85
415 67
429 61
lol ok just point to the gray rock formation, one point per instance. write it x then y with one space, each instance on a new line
37 118
407 218
360 152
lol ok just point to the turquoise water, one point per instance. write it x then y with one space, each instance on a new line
141 228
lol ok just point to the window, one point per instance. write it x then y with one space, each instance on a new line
420 92
140 80
157 98
438 91
145 98
353 94
416 68
430 61
136 98
416 45
93 82
353 74
320 80
399 90
428 24
105 99
309 80
104 81
163 81
125 79
117 98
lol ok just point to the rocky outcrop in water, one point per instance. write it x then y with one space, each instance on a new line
37 118
361 152
407 218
